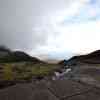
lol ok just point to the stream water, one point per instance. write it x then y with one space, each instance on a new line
61 75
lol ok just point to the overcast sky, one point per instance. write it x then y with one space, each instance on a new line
57 28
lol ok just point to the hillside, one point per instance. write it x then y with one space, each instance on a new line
6 55
91 58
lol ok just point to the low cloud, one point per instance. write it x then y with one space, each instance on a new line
26 24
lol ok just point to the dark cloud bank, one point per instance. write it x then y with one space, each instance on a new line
21 22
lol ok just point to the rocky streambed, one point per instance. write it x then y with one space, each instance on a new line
86 73
51 90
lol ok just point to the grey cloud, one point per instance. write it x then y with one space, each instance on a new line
21 22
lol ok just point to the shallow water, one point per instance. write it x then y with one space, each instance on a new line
58 75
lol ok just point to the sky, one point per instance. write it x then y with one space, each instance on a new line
50 28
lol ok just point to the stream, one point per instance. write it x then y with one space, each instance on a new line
63 74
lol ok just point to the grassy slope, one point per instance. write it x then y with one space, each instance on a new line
25 70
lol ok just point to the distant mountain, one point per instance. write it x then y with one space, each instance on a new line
91 58
7 55
63 62
4 51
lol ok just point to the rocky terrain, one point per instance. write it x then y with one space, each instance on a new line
23 78
51 90
85 67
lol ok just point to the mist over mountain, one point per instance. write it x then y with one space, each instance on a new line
8 56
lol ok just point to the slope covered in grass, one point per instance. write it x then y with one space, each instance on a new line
25 70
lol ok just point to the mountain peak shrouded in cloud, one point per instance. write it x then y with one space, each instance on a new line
49 26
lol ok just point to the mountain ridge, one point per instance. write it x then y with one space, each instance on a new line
7 55
90 58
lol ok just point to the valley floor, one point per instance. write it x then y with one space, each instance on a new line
85 85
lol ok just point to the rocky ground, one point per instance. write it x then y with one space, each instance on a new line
23 77
87 73
51 90
83 85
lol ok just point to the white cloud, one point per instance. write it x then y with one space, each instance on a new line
36 25
77 39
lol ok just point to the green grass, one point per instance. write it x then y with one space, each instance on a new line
7 72
25 70
43 69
